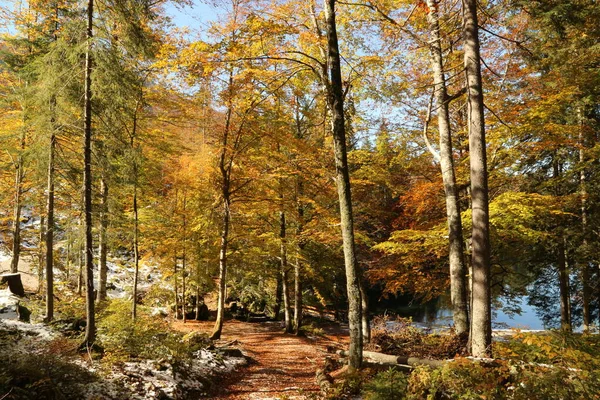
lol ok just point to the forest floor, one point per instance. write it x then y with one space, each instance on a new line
281 366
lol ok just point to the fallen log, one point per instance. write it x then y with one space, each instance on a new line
323 377
387 359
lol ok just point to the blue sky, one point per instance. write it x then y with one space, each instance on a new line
194 17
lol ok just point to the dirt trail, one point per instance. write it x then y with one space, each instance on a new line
283 365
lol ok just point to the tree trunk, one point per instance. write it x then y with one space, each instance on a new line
80 269
365 323
298 294
42 253
176 286
216 334
585 265
298 264
136 254
50 228
198 285
225 169
103 239
561 262
90 328
563 278
278 294
335 99
458 270
481 331
16 249
287 311
183 263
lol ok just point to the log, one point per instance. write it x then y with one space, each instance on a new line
15 285
387 359
323 378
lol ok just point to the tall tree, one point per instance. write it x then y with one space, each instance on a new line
90 328
335 100
481 319
458 270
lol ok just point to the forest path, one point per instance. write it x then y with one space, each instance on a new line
283 365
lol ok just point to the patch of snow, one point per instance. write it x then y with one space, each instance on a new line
39 330
4 256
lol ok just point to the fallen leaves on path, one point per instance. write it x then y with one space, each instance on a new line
282 366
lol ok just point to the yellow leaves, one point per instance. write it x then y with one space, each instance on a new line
518 216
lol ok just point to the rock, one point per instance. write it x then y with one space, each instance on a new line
231 352
203 313
196 339
23 313
161 395
15 285
161 365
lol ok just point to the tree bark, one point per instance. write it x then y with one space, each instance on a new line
563 277
225 170
298 264
19 174
287 312
90 328
80 269
458 270
42 254
561 262
585 265
183 262
50 226
278 294
335 99
365 323
136 254
103 239
176 286
216 334
481 329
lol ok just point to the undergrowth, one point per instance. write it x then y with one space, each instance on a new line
146 337
528 366
397 336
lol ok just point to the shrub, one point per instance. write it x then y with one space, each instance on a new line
146 337
386 385
397 336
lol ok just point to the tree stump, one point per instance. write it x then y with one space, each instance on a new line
15 285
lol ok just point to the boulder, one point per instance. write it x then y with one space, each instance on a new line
15 285
203 313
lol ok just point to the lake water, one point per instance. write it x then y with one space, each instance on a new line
436 314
